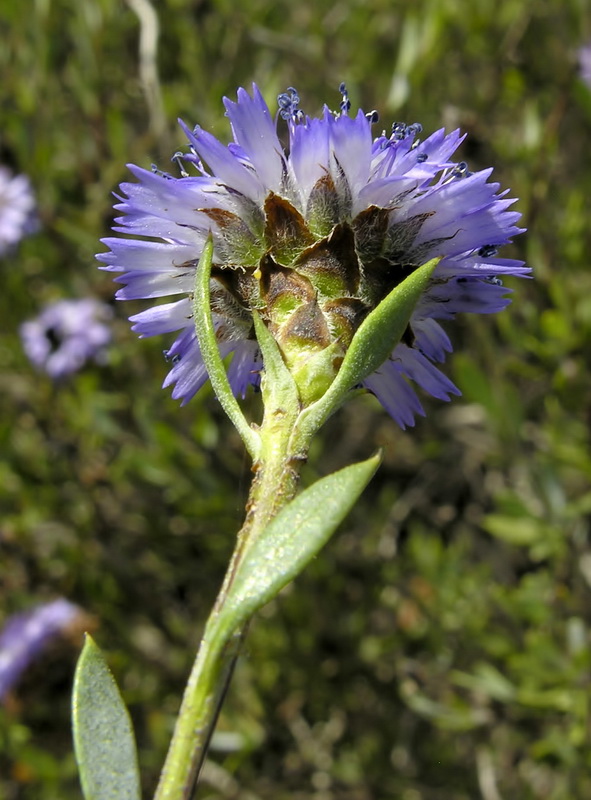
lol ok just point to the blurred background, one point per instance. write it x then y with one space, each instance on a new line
440 646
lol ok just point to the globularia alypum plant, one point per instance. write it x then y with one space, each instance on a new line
324 269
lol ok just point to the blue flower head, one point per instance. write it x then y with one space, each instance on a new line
67 334
584 56
313 236
17 209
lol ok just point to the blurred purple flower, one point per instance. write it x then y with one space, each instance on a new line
25 635
585 64
66 334
17 207
337 207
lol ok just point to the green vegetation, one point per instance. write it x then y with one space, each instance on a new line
440 647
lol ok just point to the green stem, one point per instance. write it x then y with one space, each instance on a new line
274 485
193 725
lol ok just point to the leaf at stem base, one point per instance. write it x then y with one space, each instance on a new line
103 734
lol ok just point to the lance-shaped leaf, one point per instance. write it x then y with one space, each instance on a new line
372 344
103 734
210 353
291 540
381 330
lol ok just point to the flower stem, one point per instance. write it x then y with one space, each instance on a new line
194 724
274 485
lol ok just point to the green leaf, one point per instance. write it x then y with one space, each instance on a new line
103 734
291 540
210 352
486 680
381 330
522 531
372 344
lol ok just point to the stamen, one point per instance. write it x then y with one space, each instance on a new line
422 157
488 250
178 160
172 359
460 170
372 117
345 102
288 103
494 280
398 131
159 172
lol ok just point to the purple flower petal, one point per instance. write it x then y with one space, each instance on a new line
255 132
430 338
224 165
395 394
585 64
350 143
245 369
164 318
17 209
308 160
25 635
